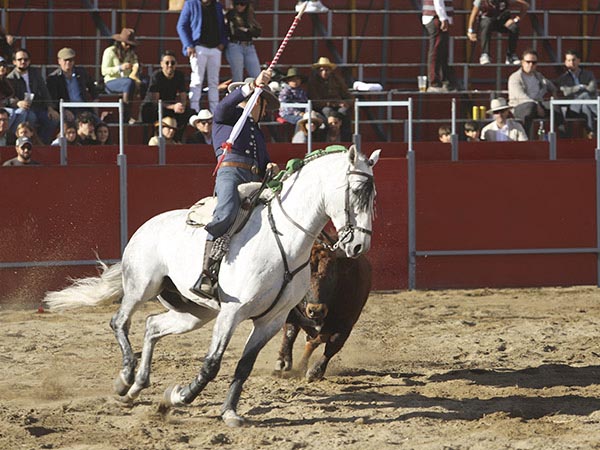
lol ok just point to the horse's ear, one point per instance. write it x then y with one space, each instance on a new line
374 157
353 154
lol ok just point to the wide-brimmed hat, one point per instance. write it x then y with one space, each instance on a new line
324 62
66 53
126 35
497 105
314 118
204 114
293 73
266 93
169 122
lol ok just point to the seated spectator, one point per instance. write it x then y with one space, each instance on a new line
578 83
167 84
169 127
34 104
202 123
69 132
6 44
70 83
526 91
24 149
444 134
25 129
471 129
86 129
334 128
6 136
328 91
502 128
120 68
7 94
314 6
102 134
496 16
292 92
301 136
242 28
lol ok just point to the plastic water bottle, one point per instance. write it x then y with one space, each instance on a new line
541 133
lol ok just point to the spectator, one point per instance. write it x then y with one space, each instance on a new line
167 84
502 128
69 132
25 129
6 137
86 129
24 148
202 123
102 134
495 15
301 136
328 91
6 44
201 29
526 90
444 134
7 94
335 131
578 83
314 6
240 52
471 129
436 19
169 127
120 68
292 92
34 104
70 83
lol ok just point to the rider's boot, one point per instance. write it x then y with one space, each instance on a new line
205 285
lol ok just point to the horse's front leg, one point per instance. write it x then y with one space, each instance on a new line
225 325
262 332
285 359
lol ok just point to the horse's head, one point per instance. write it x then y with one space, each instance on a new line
351 209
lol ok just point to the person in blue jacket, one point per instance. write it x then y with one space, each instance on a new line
201 29
248 160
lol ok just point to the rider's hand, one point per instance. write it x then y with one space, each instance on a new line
274 168
263 78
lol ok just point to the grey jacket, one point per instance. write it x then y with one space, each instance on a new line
517 88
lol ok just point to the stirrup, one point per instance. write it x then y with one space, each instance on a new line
205 286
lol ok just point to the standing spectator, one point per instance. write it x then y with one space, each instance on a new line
526 91
24 149
437 18
580 84
201 29
202 123
301 136
6 137
25 129
120 68
314 6
471 130
328 91
86 129
240 52
444 134
495 15
34 103
502 128
168 85
69 132
292 92
102 134
169 128
70 83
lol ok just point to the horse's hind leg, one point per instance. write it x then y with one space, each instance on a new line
157 327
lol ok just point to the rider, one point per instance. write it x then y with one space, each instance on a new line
247 161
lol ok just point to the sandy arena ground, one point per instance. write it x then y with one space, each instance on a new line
480 369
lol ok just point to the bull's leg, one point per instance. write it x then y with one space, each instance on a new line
285 360
262 332
309 348
157 327
332 347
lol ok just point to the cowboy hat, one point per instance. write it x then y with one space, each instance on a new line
266 93
314 118
293 73
126 35
168 122
204 114
324 62
497 105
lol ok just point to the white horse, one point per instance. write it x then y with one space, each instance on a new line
262 277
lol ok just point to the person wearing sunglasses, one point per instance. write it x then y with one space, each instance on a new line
202 123
527 91
167 84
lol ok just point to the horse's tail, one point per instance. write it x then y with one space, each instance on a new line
92 291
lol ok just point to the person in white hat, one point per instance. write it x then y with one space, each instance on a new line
502 128
169 127
202 123
301 136
23 147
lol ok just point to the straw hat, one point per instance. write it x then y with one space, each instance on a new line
324 62
204 114
126 35
314 118
66 53
293 73
169 122
267 93
497 105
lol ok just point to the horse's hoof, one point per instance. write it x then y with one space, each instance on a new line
125 400
120 385
231 419
173 397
